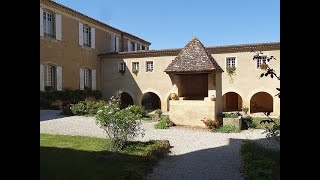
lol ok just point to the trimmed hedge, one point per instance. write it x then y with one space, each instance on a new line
73 96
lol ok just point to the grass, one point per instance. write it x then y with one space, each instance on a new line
227 129
78 157
162 123
259 162
230 115
256 121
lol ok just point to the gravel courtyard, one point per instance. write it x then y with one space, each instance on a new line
195 153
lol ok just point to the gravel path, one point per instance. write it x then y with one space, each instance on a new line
195 153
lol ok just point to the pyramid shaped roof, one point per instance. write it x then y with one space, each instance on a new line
193 58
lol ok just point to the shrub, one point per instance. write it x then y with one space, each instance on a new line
74 96
230 115
247 122
158 111
227 129
88 108
211 123
162 124
139 110
120 125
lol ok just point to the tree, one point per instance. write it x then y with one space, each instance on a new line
268 71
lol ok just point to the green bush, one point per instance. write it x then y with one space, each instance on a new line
139 110
259 162
227 129
162 123
230 115
74 96
88 108
66 111
247 122
119 124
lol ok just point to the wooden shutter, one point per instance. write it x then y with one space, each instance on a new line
93 38
41 22
129 46
93 78
58 27
117 44
135 46
41 77
80 34
81 79
59 78
112 42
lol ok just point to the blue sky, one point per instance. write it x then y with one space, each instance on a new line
172 23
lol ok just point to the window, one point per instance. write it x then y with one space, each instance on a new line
132 46
86 36
122 67
87 78
135 66
143 48
49 76
262 60
149 67
48 24
231 62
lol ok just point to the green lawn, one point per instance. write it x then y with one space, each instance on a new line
257 120
259 162
78 157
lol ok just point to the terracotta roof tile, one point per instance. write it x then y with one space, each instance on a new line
194 57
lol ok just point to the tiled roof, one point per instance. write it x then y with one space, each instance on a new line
193 58
267 46
92 20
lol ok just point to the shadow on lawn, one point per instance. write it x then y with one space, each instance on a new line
65 163
213 163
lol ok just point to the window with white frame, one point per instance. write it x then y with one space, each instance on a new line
49 76
135 66
86 36
49 24
122 67
87 78
149 66
261 60
231 61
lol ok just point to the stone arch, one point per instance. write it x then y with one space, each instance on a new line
231 101
261 102
126 100
150 101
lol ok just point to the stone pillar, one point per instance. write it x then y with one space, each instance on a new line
218 87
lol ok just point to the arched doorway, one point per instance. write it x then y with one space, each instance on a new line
126 100
261 102
151 101
231 101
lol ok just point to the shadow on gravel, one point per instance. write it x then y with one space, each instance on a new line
214 163
50 115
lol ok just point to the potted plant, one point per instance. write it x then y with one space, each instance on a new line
173 96
231 71
245 110
135 71
158 113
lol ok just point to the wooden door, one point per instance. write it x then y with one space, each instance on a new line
232 102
